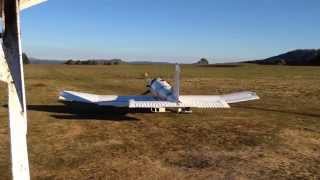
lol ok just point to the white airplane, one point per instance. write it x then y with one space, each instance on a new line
163 96
11 72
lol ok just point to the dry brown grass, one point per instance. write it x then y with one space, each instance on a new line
277 137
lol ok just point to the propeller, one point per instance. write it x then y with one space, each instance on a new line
146 92
149 83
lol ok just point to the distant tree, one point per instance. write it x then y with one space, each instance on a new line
69 62
25 59
92 62
203 61
316 60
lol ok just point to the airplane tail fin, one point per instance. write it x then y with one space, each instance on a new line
176 87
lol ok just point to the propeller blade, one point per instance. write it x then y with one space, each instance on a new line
145 93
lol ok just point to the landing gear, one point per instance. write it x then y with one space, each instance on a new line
158 110
186 110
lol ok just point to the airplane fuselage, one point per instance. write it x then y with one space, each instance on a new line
162 90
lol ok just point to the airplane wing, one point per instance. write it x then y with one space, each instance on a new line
24 4
101 100
228 98
139 101
240 97
217 103
184 101
192 101
198 101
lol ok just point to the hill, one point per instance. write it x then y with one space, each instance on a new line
301 57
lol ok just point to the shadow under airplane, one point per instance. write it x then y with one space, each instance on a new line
87 112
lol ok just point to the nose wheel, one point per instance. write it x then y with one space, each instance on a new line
186 110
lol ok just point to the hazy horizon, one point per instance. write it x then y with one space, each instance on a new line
152 59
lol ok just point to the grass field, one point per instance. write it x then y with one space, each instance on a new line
277 137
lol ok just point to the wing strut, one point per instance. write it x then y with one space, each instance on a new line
11 71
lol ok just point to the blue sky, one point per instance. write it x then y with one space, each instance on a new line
170 30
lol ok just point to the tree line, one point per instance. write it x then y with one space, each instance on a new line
95 62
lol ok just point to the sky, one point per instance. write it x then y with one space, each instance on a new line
169 30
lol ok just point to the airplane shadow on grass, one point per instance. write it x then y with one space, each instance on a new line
86 112
91 112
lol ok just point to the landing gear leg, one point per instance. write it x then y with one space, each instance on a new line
158 110
186 110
